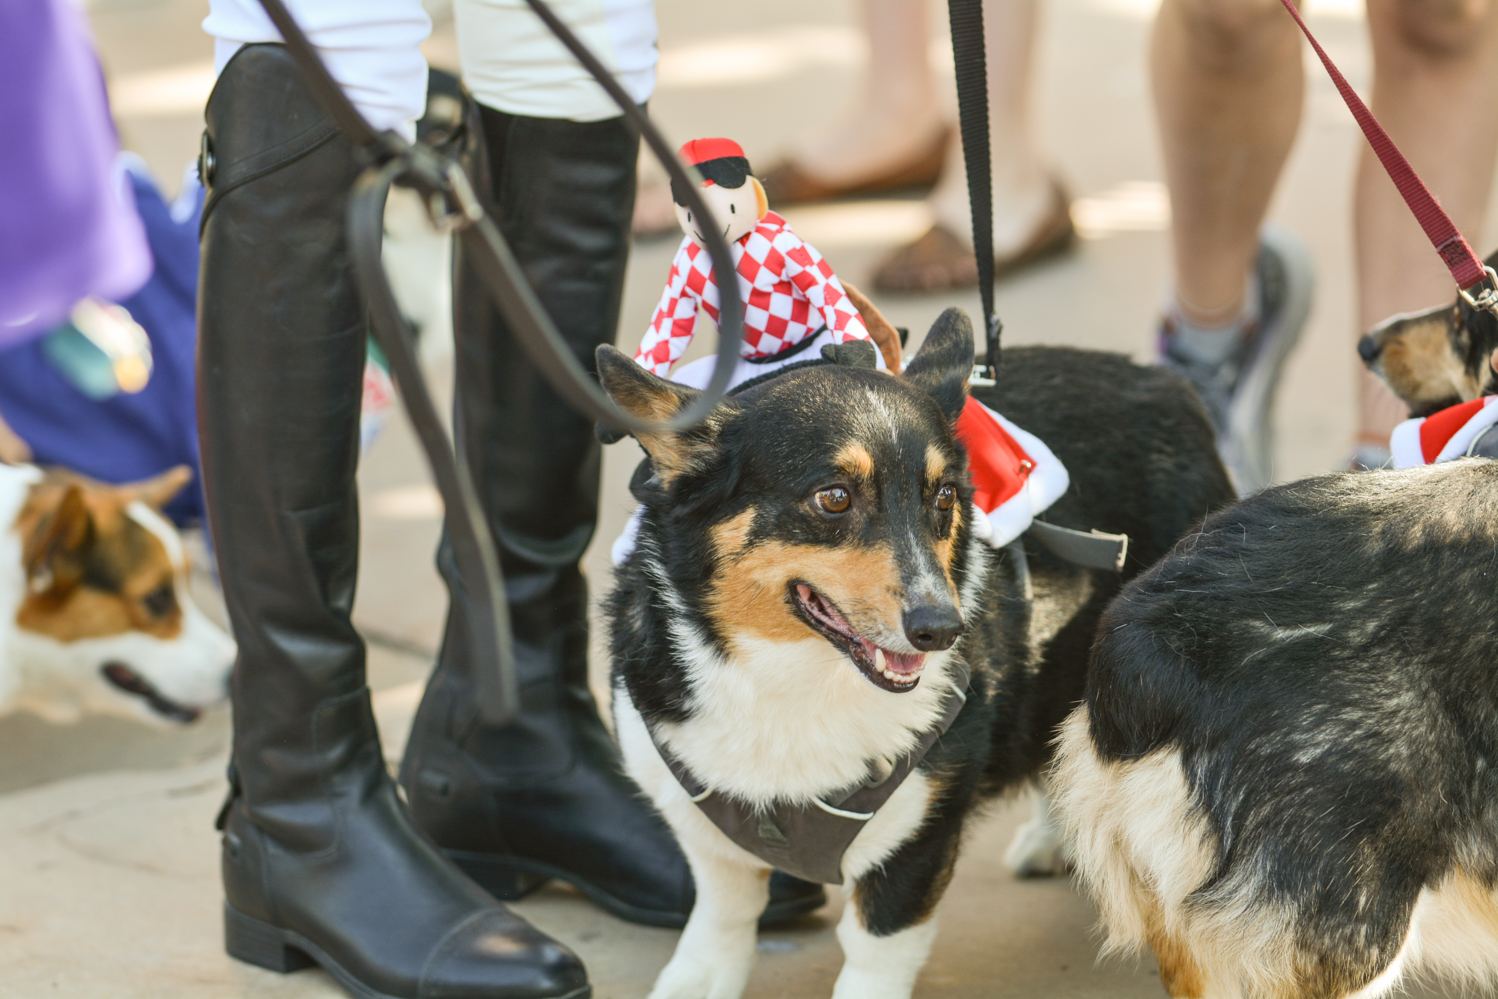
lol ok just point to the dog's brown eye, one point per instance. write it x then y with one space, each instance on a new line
834 500
946 498
161 601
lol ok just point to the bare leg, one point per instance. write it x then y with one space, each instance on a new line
1435 76
1228 85
896 116
1021 188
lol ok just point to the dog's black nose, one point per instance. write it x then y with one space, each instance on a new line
932 628
1368 348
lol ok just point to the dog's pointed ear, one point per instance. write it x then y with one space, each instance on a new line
944 363
650 397
53 553
158 491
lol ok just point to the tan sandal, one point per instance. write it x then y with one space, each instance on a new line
787 183
940 261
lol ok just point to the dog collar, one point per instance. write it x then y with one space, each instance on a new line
808 841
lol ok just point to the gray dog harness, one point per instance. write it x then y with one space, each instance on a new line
809 841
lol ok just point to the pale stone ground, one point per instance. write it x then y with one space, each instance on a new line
107 855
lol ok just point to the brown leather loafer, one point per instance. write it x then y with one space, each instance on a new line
787 183
940 261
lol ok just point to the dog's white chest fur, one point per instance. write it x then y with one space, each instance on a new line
793 721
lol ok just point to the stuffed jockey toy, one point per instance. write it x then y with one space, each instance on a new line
793 305
792 299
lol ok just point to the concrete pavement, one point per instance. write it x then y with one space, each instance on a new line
107 854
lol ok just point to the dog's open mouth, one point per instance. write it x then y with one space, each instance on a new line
124 678
897 672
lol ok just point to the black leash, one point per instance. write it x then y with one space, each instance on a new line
453 207
970 57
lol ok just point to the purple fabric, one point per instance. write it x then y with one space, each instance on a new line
125 438
68 224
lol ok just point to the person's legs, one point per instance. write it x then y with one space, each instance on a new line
1228 84
1021 183
546 795
1030 210
894 126
320 859
1435 78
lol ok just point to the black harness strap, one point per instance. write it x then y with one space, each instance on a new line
1090 549
809 840
453 207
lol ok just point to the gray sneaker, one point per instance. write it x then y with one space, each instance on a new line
1239 391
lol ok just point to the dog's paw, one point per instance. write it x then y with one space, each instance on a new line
855 984
693 978
1038 850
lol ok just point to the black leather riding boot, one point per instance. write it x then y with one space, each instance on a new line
545 797
321 862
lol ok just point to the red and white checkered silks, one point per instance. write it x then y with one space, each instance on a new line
789 293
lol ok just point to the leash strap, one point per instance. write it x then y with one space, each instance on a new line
970 58
1466 268
454 207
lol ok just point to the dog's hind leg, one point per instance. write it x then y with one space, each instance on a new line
716 951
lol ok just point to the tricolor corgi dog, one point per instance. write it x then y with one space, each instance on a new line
95 615
818 665
1281 780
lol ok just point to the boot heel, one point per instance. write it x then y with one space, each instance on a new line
260 944
497 876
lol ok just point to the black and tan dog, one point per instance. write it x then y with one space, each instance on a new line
807 608
1435 358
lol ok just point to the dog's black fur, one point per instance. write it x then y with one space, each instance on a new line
1322 658
1139 449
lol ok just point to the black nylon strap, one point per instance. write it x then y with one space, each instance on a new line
808 840
1089 549
968 53
450 200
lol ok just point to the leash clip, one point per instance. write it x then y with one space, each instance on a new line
1485 300
457 207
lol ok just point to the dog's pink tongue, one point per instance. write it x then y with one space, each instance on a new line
903 662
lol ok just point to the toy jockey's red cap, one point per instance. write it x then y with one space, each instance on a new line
701 150
720 161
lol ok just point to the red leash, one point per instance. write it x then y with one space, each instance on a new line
1465 266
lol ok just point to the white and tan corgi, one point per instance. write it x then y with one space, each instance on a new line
95 615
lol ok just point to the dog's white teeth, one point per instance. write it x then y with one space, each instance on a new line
889 674
881 665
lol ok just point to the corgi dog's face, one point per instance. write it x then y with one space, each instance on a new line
103 621
1435 358
828 504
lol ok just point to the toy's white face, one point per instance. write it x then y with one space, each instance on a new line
736 209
